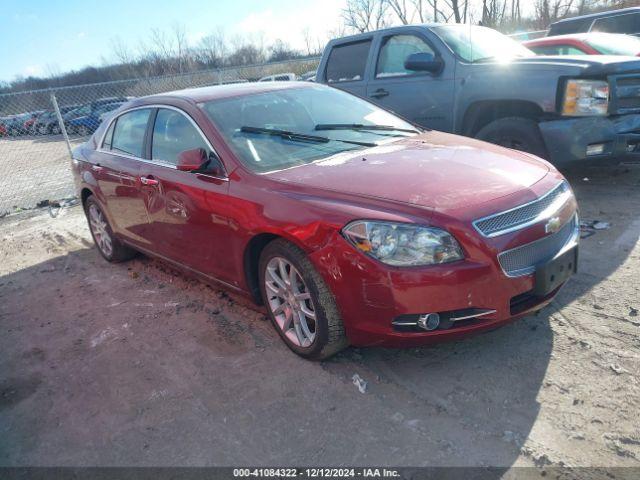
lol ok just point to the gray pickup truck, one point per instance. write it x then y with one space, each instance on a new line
477 82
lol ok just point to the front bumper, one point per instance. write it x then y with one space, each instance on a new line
371 296
567 139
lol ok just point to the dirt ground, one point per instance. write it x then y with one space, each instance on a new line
134 364
33 169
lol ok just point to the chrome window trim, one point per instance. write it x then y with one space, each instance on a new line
544 215
159 163
571 242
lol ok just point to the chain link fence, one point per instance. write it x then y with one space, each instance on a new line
39 128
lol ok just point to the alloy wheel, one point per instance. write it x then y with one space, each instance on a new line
290 302
100 231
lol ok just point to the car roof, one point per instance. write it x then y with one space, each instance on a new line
570 36
357 36
608 13
216 92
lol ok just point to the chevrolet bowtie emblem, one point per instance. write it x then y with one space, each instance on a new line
553 225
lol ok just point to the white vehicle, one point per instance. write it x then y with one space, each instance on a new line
281 77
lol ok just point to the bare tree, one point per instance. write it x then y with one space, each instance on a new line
403 10
548 11
365 15
212 49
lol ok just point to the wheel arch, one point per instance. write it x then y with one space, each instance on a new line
84 194
481 113
251 257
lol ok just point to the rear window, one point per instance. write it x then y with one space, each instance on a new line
347 62
627 23
128 135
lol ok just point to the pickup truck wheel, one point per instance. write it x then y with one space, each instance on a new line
515 132
299 303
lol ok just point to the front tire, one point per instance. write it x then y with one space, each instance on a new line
299 303
112 249
515 132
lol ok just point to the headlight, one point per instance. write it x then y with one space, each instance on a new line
403 244
586 97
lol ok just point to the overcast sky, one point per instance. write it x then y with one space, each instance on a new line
44 36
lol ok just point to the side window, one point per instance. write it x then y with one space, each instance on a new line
347 62
627 23
569 50
546 50
395 51
558 50
128 134
106 143
173 133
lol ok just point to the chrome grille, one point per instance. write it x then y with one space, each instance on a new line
519 217
522 260
625 94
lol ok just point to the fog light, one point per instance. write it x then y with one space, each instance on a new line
429 321
595 149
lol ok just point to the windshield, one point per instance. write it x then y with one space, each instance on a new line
611 44
476 44
295 126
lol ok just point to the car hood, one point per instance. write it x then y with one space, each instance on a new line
434 169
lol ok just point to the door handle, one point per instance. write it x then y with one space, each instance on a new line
97 168
149 181
381 92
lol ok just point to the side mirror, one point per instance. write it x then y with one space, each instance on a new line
196 160
424 62
191 160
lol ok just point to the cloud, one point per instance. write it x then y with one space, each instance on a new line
317 17
33 71
82 34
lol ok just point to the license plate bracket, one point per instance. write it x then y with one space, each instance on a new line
555 272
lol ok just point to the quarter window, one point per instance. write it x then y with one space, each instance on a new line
347 62
128 134
395 51
106 144
173 133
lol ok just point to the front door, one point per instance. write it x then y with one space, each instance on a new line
421 97
188 220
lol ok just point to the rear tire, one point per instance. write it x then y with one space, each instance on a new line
112 249
515 132
317 310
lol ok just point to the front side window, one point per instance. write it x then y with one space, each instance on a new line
395 51
627 23
284 128
128 134
347 62
480 44
173 134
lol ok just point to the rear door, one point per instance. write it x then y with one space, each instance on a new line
188 212
116 166
422 97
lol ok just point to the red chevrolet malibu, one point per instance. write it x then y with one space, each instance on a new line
351 225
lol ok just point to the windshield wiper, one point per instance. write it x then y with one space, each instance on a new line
303 137
361 126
